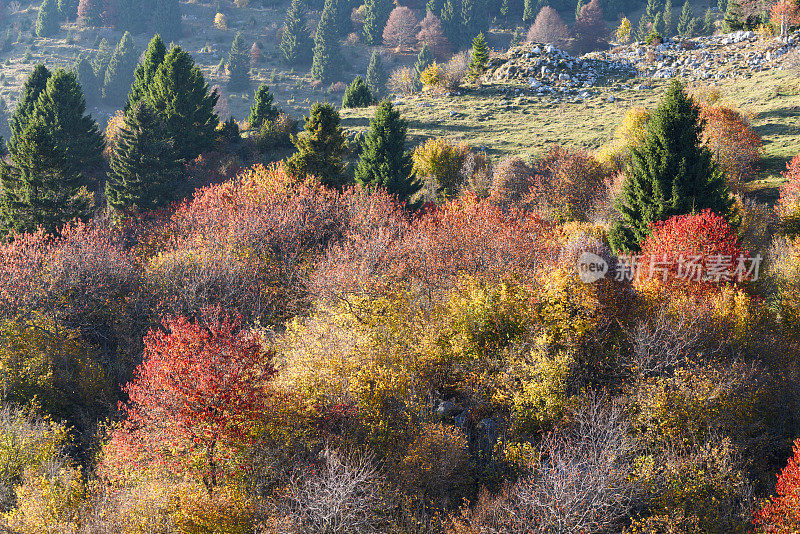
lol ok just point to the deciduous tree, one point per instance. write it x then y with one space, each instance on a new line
401 28
548 28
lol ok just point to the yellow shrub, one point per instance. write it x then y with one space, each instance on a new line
48 503
443 161
432 76
437 462
220 22
632 130
227 511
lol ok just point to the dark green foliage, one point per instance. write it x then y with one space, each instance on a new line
376 75
68 9
667 18
131 15
238 64
180 95
47 22
326 45
424 59
101 59
119 74
47 181
146 171
357 94
479 58
295 42
166 20
734 17
263 109
642 28
34 86
375 17
87 80
5 117
90 12
321 148
146 70
228 132
671 173
385 162
685 19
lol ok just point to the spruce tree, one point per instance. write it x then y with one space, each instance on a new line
326 45
469 22
146 70
376 75
424 59
385 162
321 148
119 74
166 20
667 18
527 11
671 172
130 15
295 42
263 109
101 60
375 16
33 87
685 19
180 95
651 9
238 65
87 80
47 22
47 180
68 9
450 23
90 12
708 23
642 28
5 117
357 94
479 58
146 171
734 17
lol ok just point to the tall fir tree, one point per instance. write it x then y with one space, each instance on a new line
385 162
685 19
652 7
469 19
450 22
146 70
295 42
120 71
47 22
87 80
48 177
166 20
357 94
326 45
5 129
33 87
642 29
146 172
238 65
321 147
667 19
376 75
424 59
375 16
708 23
101 60
479 58
180 95
671 172
263 109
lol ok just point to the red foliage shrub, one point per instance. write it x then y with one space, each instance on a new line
589 27
781 514
789 200
511 181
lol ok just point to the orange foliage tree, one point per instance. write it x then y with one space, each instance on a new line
781 514
785 13
736 147
788 205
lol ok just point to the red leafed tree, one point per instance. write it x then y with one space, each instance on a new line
548 27
400 29
431 32
589 27
736 147
195 398
781 514
788 206
785 13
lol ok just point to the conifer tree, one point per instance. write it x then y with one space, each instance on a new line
47 22
424 59
733 17
357 94
131 15
146 70
321 148
528 11
667 19
479 58
375 17
685 19
671 172
46 182
101 60
90 12
642 28
376 75
468 19
180 95
385 162
708 23
87 80
119 74
238 65
145 168
5 130
651 9
166 20
450 23
295 42
578 8
326 46
263 109
68 9
33 87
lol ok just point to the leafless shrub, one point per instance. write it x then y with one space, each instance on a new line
402 81
455 70
548 28
401 28
477 170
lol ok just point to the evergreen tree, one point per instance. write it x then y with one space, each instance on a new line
166 20
33 87
326 46
658 27
238 65
468 19
424 59
180 95
5 130
47 22
87 80
527 10
385 162
375 17
708 23
734 17
90 12
376 75
68 9
101 60
321 148
145 168
46 182
685 19
667 18
146 70
119 74
357 94
651 9
130 15
295 42
263 109
479 58
450 24
671 172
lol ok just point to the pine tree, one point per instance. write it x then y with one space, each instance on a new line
734 17
658 27
479 58
326 46
87 80
119 74
180 95
667 18
146 70
166 20
47 23
46 182
33 87
5 130
238 65
685 19
295 42
671 172
424 59
357 94
375 17
527 11
101 60
651 9
145 168
385 162
321 148
642 28
263 109
708 23
450 24
376 75
469 22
